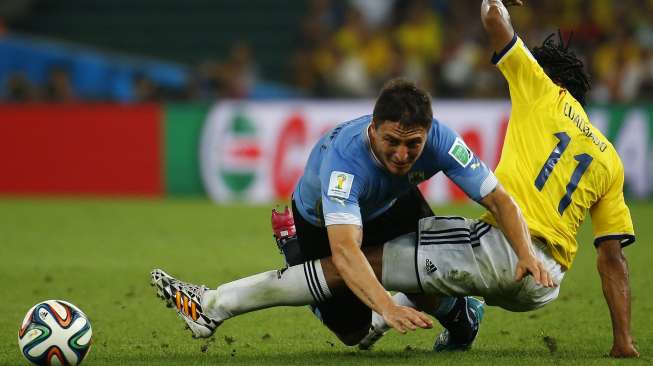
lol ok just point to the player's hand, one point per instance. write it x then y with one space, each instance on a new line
626 350
531 265
403 318
508 3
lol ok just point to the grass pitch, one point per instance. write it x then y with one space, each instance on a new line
97 254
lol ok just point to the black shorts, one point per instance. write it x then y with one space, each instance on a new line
346 314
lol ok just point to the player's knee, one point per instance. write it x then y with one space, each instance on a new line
528 299
535 296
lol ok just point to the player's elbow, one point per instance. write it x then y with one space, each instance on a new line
617 259
611 258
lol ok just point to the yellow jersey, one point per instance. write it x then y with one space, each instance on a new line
555 164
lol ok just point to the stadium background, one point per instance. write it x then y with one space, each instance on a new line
120 120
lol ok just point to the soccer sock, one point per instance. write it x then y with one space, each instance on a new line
441 312
303 284
379 323
444 308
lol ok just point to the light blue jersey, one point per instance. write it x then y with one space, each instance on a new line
344 182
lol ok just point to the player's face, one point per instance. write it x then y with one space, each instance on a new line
396 147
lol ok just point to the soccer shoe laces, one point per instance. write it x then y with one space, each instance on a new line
186 299
195 291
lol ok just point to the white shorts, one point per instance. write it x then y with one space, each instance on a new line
455 256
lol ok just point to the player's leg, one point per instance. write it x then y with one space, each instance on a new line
300 284
345 315
402 218
204 309
483 264
314 282
462 257
444 263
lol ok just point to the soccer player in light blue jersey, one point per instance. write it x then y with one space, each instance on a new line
359 189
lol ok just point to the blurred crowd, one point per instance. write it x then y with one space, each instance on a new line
349 48
232 77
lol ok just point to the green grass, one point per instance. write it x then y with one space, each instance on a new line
97 254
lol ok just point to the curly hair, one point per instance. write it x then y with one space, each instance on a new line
563 66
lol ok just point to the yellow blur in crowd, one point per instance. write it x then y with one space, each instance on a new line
442 46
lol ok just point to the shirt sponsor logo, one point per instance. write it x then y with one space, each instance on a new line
340 185
461 153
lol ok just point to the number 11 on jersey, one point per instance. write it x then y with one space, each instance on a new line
583 160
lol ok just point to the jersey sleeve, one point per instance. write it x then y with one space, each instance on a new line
342 185
462 166
526 78
610 215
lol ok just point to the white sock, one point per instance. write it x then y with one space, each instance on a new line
303 284
443 309
379 323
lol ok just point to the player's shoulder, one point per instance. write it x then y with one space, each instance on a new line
612 158
440 135
348 134
349 145
596 144
444 147
442 139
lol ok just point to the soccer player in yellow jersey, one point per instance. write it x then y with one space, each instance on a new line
557 166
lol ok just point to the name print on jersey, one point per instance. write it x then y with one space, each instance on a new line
583 126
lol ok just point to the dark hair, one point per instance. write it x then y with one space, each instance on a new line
402 101
562 66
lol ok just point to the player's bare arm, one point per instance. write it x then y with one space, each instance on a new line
496 21
355 270
613 269
512 223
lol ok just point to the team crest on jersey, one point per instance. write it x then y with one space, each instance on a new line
461 153
416 177
340 184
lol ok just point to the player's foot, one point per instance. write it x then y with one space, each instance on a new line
371 338
462 329
187 300
378 328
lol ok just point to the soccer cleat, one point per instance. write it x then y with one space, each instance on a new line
285 235
370 339
186 298
283 225
462 330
